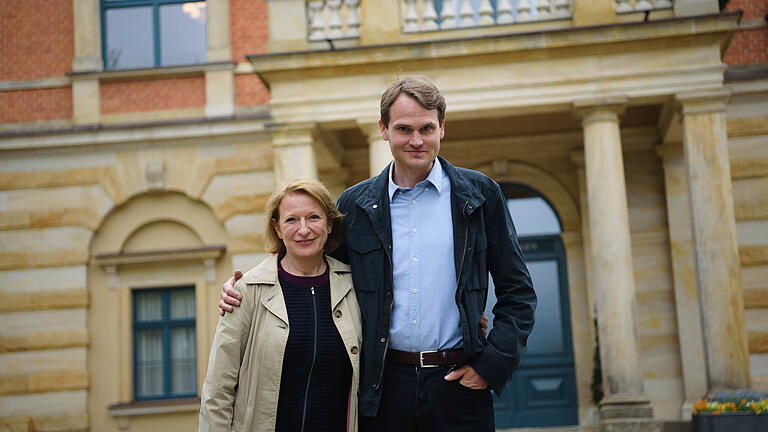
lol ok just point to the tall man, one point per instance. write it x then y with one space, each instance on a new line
421 238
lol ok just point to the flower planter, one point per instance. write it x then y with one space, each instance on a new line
730 422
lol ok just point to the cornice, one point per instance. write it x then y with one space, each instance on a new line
678 31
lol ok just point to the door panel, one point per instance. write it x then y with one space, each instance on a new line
543 390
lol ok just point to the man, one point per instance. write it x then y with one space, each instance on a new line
421 238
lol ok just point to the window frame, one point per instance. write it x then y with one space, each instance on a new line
165 325
105 5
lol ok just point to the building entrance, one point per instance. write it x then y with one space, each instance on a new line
543 390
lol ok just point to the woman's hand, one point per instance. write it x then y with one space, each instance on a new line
230 297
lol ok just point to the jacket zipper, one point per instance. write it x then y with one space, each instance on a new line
463 255
391 304
463 251
314 356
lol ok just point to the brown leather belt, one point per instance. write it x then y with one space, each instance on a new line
426 358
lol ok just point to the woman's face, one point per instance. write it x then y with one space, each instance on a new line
303 225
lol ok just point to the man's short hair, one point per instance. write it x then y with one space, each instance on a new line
419 88
316 190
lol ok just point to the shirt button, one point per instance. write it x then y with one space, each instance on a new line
415 290
337 314
413 202
415 260
413 322
354 350
414 230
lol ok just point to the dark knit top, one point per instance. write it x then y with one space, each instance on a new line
317 374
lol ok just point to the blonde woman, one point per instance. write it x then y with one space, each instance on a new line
287 358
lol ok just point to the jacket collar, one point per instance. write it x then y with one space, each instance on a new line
464 190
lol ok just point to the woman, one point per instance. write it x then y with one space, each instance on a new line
287 358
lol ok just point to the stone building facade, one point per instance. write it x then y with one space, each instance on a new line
643 125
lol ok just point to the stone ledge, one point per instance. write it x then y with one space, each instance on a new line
753 255
78 423
758 342
44 300
135 408
755 298
44 381
45 341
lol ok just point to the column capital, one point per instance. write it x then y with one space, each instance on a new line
600 108
295 134
704 101
370 128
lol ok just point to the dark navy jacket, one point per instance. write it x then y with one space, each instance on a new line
484 241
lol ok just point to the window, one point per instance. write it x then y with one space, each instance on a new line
165 361
153 33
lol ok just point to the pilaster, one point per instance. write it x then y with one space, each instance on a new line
379 154
86 98
294 152
695 7
714 238
684 275
378 25
219 83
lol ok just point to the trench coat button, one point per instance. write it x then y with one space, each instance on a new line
354 350
337 314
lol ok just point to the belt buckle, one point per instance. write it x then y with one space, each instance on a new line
421 359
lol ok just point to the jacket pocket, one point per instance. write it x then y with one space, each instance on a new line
365 256
363 243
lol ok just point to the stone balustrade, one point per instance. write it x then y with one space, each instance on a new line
629 6
333 19
429 15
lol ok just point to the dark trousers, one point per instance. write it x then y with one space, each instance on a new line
419 399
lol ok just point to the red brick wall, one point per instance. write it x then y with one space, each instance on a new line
150 95
33 105
748 46
249 27
249 91
36 38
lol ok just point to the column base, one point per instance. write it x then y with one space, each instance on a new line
630 425
627 413
625 406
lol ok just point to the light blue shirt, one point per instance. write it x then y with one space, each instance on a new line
425 316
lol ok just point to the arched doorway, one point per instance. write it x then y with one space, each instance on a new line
543 390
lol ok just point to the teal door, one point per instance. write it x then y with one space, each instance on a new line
543 390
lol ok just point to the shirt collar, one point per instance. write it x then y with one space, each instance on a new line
435 177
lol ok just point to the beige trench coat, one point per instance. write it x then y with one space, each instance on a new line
241 388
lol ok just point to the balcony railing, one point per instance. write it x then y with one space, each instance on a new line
339 19
629 6
430 15
333 19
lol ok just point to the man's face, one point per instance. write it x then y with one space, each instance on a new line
414 135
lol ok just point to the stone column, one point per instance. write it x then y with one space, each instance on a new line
379 154
714 238
219 82
684 275
86 99
625 406
294 153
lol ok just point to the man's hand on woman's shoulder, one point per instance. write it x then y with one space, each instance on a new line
230 297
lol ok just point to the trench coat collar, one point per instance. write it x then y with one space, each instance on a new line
265 274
